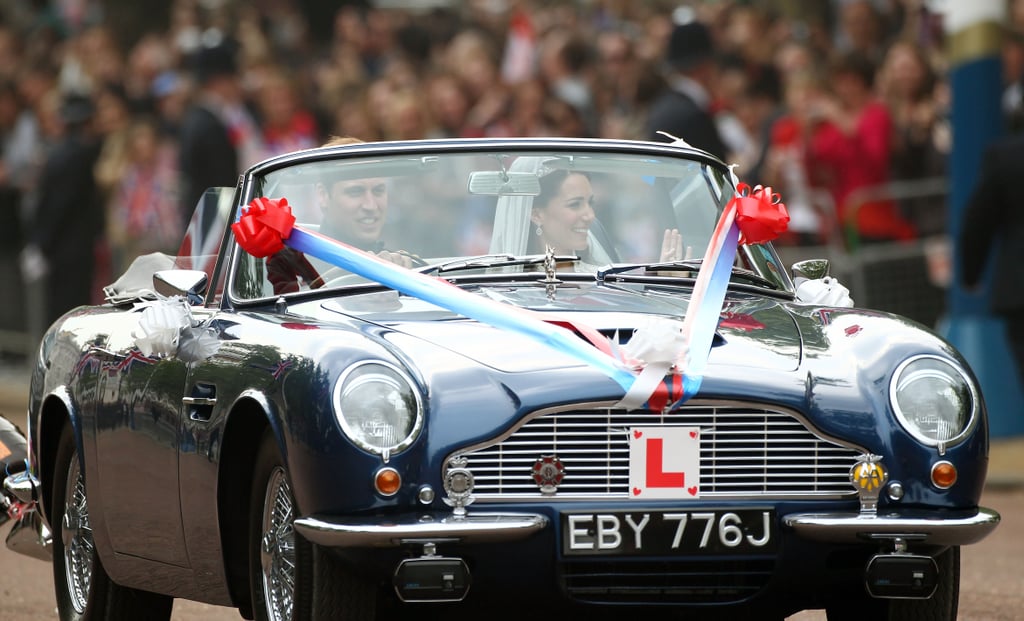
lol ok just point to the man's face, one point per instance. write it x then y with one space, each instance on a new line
354 211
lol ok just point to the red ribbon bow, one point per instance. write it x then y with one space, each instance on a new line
264 226
760 214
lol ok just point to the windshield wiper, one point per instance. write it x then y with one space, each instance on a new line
752 278
485 261
687 265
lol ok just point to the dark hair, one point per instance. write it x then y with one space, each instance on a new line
551 183
764 82
856 64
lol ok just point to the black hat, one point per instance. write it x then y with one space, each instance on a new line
689 44
214 60
76 108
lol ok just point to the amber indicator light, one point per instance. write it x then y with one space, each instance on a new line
943 474
387 481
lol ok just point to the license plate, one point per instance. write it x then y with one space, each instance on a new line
669 533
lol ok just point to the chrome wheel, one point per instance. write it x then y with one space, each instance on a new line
277 547
77 537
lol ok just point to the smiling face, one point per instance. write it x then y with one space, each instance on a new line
566 215
354 211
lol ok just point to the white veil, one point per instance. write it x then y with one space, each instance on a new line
511 231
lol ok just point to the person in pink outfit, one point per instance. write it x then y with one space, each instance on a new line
851 152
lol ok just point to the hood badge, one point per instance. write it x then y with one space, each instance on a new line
548 472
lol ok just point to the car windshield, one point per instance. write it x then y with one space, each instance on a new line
455 213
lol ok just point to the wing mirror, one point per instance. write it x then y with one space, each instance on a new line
188 283
815 286
811 269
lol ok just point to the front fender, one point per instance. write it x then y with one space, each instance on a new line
56 410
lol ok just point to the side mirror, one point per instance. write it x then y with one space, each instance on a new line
811 269
188 283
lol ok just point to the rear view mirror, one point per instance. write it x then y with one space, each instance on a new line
497 183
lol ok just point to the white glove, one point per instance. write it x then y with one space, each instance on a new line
825 291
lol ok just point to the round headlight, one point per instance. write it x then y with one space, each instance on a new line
933 399
378 407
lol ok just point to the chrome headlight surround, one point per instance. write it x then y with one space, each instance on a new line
378 407
934 400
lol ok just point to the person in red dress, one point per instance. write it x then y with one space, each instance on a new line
850 152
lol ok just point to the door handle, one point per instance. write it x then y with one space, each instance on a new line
208 401
200 403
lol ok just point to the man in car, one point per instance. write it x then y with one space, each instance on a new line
354 212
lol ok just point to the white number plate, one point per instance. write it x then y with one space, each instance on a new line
636 532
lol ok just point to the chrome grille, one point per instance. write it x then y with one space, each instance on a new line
745 452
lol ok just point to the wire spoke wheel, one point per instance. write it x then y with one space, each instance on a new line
77 535
277 547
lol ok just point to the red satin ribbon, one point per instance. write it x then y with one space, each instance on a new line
264 226
760 214
668 391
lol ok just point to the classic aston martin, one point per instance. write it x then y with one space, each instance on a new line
396 380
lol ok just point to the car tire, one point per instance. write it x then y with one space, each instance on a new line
941 606
84 591
290 578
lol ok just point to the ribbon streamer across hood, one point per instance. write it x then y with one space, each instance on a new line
267 225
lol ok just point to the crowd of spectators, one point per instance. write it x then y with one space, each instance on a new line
815 98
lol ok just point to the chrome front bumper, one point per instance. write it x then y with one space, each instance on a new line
393 532
854 527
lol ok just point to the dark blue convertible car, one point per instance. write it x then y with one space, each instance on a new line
398 380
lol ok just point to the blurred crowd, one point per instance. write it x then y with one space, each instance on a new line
109 137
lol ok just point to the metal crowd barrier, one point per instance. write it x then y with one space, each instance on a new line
907 278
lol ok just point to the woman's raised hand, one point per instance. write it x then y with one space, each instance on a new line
672 247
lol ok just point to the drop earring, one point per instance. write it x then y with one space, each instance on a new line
540 231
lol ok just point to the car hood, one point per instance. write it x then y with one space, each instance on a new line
753 332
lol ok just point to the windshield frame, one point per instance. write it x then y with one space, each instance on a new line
762 259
